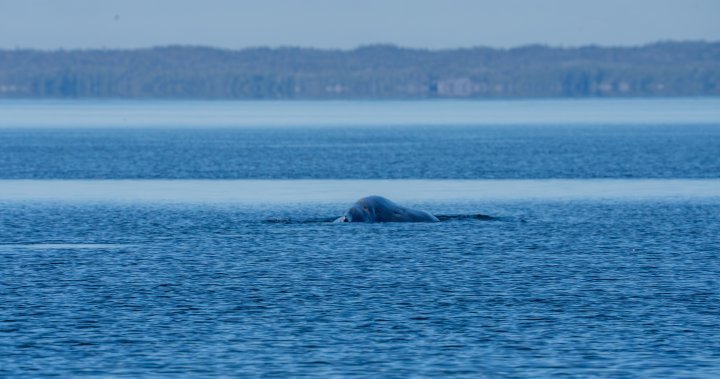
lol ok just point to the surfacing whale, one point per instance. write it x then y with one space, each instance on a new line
380 209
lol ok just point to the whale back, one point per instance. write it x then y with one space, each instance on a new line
380 209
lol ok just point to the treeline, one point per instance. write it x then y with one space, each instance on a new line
372 72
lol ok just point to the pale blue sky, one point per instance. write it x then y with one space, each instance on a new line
52 24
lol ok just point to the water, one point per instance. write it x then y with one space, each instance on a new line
518 152
203 252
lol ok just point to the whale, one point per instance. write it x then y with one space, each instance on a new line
379 209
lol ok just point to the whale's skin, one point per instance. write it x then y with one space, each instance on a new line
379 209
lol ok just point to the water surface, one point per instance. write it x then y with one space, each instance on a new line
144 239
593 288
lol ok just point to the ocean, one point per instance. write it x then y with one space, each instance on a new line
194 239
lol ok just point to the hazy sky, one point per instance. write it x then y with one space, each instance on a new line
52 24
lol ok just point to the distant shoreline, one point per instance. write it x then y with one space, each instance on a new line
371 46
376 72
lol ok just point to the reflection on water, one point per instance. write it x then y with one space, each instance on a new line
174 114
337 191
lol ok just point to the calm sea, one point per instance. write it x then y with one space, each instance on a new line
190 239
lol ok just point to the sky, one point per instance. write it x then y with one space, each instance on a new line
346 24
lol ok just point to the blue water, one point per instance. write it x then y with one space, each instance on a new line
433 152
602 259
